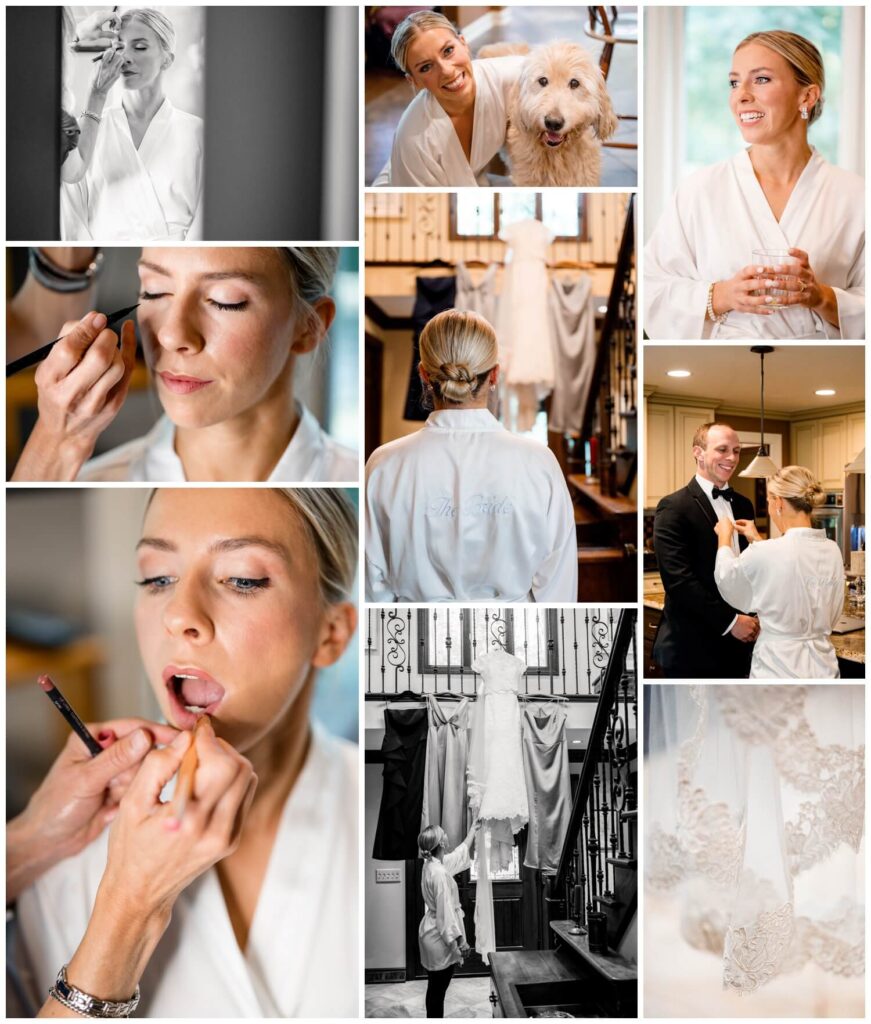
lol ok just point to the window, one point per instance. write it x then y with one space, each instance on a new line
710 35
451 640
474 215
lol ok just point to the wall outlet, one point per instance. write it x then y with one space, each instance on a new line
388 874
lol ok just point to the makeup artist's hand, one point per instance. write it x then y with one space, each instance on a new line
152 855
99 28
81 386
77 798
107 71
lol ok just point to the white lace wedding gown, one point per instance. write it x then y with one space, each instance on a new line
754 831
496 783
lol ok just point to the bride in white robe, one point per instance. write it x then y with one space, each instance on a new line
700 280
458 120
265 926
794 583
139 172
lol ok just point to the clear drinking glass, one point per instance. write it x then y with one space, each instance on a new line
774 258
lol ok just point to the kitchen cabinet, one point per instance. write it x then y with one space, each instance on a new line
827 444
668 438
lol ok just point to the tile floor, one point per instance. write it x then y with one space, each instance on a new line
387 94
467 997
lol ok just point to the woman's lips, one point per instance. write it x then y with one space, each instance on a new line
456 83
192 693
179 385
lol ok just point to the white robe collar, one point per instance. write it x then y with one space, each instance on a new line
463 419
777 234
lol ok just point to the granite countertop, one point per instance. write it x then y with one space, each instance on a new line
849 646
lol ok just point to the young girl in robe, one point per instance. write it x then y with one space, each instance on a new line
794 582
138 174
222 329
462 509
244 904
458 120
779 194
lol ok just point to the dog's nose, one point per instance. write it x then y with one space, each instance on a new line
554 124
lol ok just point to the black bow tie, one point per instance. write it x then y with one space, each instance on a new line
726 493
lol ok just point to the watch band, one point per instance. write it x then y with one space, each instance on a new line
90 1006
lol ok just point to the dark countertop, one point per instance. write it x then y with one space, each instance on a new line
848 646
526 966
613 966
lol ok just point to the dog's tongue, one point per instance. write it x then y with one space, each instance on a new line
200 693
554 137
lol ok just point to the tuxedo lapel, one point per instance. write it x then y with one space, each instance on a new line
701 499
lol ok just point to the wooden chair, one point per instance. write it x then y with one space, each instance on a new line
613 28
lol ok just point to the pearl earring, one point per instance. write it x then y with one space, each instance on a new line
804 114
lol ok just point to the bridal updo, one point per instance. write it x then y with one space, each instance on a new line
458 350
432 837
413 25
798 486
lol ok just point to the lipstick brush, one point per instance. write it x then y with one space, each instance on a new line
185 785
41 353
76 724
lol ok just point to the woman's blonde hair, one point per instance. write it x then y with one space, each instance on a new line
413 25
432 837
329 520
159 24
798 486
801 55
458 350
312 271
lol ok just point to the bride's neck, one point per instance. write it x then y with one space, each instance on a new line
144 103
800 520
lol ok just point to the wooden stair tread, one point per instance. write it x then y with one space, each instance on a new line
584 515
628 815
623 862
590 493
611 965
595 553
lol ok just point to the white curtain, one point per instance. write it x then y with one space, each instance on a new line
754 835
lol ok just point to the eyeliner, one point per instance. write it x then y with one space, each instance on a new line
76 724
41 353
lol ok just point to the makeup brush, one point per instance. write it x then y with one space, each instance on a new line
185 785
41 353
76 724
100 55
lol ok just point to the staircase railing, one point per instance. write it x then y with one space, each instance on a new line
600 836
612 404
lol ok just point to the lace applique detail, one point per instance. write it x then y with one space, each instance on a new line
754 954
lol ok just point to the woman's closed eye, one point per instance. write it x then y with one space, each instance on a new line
236 307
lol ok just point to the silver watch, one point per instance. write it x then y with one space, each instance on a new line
90 1006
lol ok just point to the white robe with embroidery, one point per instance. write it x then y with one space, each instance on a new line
426 148
716 219
462 510
152 194
795 583
302 957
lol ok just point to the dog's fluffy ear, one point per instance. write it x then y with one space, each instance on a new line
606 122
515 107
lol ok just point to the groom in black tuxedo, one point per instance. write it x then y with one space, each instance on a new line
700 635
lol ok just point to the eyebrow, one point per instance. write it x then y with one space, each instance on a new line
753 71
221 546
215 275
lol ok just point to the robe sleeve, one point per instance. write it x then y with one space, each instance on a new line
732 581
682 587
413 159
457 860
675 299
448 920
557 576
851 300
383 177
377 587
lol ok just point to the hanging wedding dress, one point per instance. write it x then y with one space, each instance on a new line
524 328
497 788
754 835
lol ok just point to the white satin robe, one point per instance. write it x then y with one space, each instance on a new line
716 219
795 583
152 194
442 922
302 955
464 510
426 149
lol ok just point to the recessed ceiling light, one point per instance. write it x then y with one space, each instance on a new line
825 391
679 373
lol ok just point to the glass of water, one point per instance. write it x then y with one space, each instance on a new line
775 258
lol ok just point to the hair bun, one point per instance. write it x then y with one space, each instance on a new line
814 494
459 373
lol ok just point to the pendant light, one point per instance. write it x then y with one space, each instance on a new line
761 467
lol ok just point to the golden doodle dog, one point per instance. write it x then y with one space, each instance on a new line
559 114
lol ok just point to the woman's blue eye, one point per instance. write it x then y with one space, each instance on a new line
425 68
229 305
246 585
154 582
733 83
448 51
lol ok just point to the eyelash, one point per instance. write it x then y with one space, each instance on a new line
426 68
235 307
155 584
764 79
